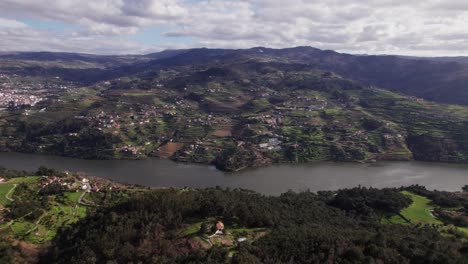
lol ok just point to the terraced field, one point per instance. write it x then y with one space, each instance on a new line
6 189
63 211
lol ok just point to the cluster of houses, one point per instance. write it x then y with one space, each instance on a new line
192 147
390 136
416 99
208 120
14 81
215 90
134 150
199 121
18 91
15 98
310 107
272 144
268 119
72 183
115 121
181 104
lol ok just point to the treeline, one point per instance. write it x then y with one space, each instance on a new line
41 171
89 143
11 173
328 244
440 198
327 227
370 201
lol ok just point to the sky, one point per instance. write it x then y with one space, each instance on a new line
405 27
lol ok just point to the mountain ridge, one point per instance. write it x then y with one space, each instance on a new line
434 79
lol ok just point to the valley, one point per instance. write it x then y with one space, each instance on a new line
233 132
232 108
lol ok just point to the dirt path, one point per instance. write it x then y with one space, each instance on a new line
44 213
80 200
7 225
10 192
207 240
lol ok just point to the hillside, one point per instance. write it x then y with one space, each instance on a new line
438 79
441 81
258 229
232 108
459 59
52 218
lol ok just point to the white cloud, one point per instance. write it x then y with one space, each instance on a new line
30 39
11 23
432 27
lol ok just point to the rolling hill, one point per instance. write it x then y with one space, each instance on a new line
237 108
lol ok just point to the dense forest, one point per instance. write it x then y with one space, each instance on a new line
131 224
324 227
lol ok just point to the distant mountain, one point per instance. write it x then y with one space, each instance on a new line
459 59
441 79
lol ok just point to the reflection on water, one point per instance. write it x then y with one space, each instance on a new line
270 180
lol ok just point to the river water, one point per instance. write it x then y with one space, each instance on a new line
270 180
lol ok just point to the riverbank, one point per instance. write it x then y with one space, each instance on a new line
245 160
67 198
272 180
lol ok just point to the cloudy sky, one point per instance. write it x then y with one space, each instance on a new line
425 28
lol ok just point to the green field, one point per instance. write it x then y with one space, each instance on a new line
191 230
55 218
4 189
45 227
72 196
29 179
419 212
20 228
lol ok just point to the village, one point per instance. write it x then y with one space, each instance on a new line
14 98
200 132
18 91
51 199
71 183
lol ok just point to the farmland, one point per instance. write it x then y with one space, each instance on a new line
227 114
43 227
34 208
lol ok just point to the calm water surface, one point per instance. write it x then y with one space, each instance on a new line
271 180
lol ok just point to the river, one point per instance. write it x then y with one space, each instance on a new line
271 180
